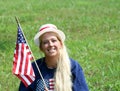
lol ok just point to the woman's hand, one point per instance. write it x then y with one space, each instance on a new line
46 89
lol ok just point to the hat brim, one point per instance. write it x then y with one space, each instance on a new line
60 34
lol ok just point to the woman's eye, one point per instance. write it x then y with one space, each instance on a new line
54 40
45 42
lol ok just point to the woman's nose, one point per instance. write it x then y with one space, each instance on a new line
50 43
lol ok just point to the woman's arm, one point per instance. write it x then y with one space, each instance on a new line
79 82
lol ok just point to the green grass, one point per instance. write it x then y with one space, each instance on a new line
92 28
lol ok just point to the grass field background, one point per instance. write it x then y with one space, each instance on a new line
92 28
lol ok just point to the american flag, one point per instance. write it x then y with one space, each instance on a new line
49 83
22 67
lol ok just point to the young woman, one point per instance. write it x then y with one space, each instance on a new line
60 72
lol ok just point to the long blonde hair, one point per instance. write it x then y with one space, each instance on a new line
63 72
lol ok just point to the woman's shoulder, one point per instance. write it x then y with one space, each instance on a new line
75 64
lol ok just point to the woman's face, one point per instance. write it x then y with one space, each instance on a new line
50 44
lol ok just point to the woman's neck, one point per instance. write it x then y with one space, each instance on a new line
51 62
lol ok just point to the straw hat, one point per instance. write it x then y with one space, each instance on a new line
48 28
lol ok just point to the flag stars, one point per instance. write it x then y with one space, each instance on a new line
21 38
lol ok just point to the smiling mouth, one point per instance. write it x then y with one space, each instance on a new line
51 50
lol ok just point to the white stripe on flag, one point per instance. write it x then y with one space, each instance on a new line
26 80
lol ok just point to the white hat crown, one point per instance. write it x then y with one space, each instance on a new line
48 28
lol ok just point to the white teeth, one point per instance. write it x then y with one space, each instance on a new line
51 50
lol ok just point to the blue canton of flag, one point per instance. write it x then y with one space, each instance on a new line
20 38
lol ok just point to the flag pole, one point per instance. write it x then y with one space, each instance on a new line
32 54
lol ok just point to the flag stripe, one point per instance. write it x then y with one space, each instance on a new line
26 65
18 61
15 59
51 84
21 57
24 62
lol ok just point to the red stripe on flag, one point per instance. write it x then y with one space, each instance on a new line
15 58
26 65
31 72
21 56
